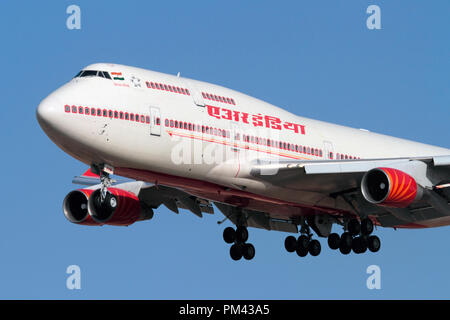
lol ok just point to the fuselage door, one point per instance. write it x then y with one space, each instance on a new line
155 121
329 151
194 93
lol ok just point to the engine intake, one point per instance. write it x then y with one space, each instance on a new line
75 207
390 188
120 208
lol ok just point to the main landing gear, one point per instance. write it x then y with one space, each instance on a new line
357 237
304 244
238 238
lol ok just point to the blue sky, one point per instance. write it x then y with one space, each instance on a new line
314 58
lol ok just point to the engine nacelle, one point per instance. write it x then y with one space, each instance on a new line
75 207
120 208
390 188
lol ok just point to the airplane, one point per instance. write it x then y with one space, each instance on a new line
152 139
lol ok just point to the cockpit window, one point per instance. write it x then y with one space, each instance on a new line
88 73
107 76
93 73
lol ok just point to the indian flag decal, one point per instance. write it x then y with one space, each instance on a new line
117 76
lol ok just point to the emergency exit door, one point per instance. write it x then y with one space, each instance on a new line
155 121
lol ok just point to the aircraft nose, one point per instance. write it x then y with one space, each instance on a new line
47 112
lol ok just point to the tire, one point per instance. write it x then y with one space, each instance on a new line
236 252
290 244
314 248
345 243
359 245
345 250
374 243
241 234
333 241
248 251
303 242
110 202
302 246
346 240
229 235
301 252
354 227
366 226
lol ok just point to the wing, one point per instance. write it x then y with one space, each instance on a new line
153 196
341 179
334 176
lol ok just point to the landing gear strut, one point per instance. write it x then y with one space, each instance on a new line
106 183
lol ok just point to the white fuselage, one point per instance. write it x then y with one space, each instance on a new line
159 145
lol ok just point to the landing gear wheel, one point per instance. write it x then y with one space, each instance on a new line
229 235
354 227
236 252
314 248
345 245
346 240
110 202
366 226
359 245
302 246
290 243
248 251
374 243
241 234
345 250
333 241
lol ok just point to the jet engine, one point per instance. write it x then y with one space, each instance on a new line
119 208
390 188
75 207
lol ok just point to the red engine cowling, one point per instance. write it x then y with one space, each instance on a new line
75 207
390 188
120 208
